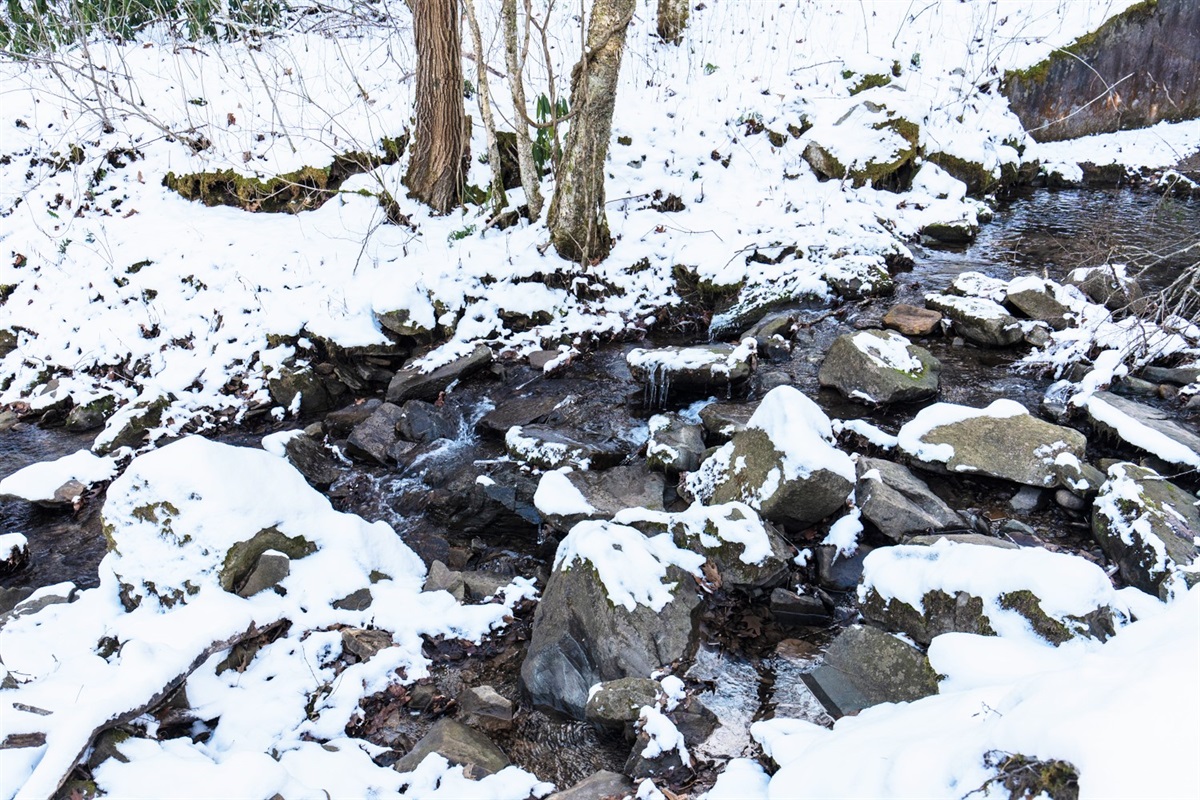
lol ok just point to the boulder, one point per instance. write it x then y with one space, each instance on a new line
912 320
129 426
516 411
567 496
338 424
722 420
423 422
602 785
373 438
550 448
485 708
618 704
415 382
313 461
90 416
1033 297
978 319
1145 428
297 385
880 367
865 667
925 591
1109 285
1148 527
961 231
837 571
799 610
617 605
897 502
674 446
1181 376
783 464
699 368
477 754
269 570
832 155
1001 441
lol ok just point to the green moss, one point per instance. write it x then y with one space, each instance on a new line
1027 604
243 556
1022 777
870 81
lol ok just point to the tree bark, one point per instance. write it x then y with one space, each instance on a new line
672 20
578 227
515 63
435 168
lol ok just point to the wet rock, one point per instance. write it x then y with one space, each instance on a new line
484 708
372 438
840 572
1137 386
10 597
1181 376
14 552
129 426
722 420
772 334
694 720
602 785
699 368
980 320
618 704
413 383
674 446
793 610
1110 286
423 422
783 464
499 503
313 461
90 416
1001 441
567 497
912 320
925 591
298 384
269 570
338 424
880 367
1033 298
865 667
550 448
1144 427
1149 527
897 502
458 744
516 412
364 644
957 232
581 637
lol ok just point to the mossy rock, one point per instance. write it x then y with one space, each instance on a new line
90 416
292 380
8 341
943 613
869 81
1021 776
138 422
242 557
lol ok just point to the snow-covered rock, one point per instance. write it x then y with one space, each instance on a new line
674 445
880 367
58 482
566 496
978 319
1144 427
698 368
897 502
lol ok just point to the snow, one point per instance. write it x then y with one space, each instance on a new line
555 494
663 735
887 349
12 544
38 482
844 533
872 433
1139 434
713 526
276 443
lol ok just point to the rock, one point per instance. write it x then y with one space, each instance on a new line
880 367
618 704
129 425
897 502
928 539
647 759
358 600
242 558
957 232
1144 427
783 464
1027 500
1070 501
743 550
865 667
485 708
372 438
588 630
701 368
764 382
1149 528
270 569
423 422
313 462
602 785
1001 441
925 591
298 384
889 166
443 579
723 420
550 448
837 572
8 341
980 320
793 610
90 416
34 601
402 323
694 720
338 424
674 446
1034 299
912 320
458 744
414 383
1181 376
569 496
14 552
515 412
364 644
1110 286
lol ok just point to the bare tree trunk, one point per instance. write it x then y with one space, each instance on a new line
515 62
672 20
578 227
435 169
499 200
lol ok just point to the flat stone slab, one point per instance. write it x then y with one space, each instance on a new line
1144 427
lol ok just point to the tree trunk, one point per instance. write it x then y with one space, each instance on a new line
578 227
515 63
498 198
672 20
435 168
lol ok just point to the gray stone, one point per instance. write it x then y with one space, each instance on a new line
674 446
1070 500
294 379
313 461
549 448
912 320
602 785
485 708
458 744
608 492
929 539
617 704
270 569
694 720
978 319
723 420
700 367
1028 500
897 502
1131 385
443 579
364 644
401 323
31 605
423 422
958 232
864 366
580 638
764 382
865 667
1105 407
666 766
412 383
1110 287
1148 527
338 424
517 411
798 610
840 573
90 416
135 422
1040 305
358 600
372 437
1177 375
